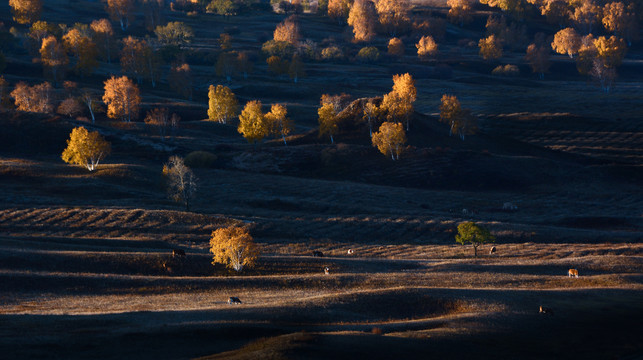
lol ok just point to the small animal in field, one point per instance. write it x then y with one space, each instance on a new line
178 252
572 272
234 300
318 253
350 252
326 270
546 311
492 250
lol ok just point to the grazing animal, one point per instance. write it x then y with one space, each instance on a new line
234 300
465 212
350 252
178 252
318 254
492 250
326 270
546 311
572 272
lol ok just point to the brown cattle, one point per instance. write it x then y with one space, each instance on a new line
572 272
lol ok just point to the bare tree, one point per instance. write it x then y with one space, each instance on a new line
181 182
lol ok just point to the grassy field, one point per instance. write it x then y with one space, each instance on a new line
86 265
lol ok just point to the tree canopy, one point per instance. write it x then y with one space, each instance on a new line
222 103
234 247
85 148
470 232
122 98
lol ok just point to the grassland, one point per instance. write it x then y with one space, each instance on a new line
85 258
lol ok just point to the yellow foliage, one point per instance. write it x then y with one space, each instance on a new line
122 98
25 11
338 9
362 18
459 11
223 104
390 139
252 122
396 47
490 48
393 14
566 41
277 121
327 120
427 47
612 50
287 31
234 247
85 148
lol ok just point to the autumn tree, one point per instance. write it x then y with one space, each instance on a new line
459 11
234 247
476 235
252 123
279 124
426 47
611 50
180 181
86 148
586 15
160 118
296 68
37 98
362 17
371 113
398 104
621 20
515 7
53 57
222 7
587 53
133 56
39 30
490 48
174 33
339 9
225 66
180 80
103 34
390 139
70 107
556 11
122 98
393 14
538 59
460 120
395 47
78 42
328 121
122 11
25 11
566 41
223 104
288 31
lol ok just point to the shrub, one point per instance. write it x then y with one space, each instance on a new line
507 70
332 53
200 159
282 49
368 54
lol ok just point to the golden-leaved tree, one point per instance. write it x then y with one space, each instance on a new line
393 14
287 31
86 148
234 247
83 48
122 11
460 120
390 139
621 20
328 120
538 59
490 48
566 41
122 98
103 33
339 9
25 11
223 105
53 57
35 98
459 11
363 17
279 123
252 123
395 47
427 47
398 104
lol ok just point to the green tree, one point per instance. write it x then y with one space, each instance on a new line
85 148
222 105
470 232
234 247
181 182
